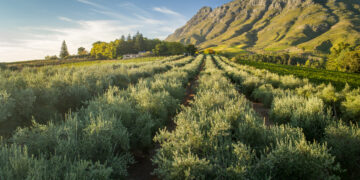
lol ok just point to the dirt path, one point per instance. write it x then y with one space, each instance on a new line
262 111
192 85
143 168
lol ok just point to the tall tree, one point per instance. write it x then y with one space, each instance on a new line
191 49
338 57
82 51
139 42
64 50
123 38
161 50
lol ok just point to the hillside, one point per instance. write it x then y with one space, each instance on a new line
274 25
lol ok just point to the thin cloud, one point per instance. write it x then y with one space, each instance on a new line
65 19
165 10
149 20
92 4
113 15
132 7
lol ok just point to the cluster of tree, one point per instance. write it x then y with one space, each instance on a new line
173 48
54 57
135 44
130 45
284 59
344 57
119 47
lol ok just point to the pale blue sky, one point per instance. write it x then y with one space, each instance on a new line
32 29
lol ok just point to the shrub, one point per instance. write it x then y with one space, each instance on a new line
249 85
350 108
39 139
306 113
183 167
344 143
160 105
297 160
119 105
290 82
266 93
307 90
330 97
17 163
103 137
7 105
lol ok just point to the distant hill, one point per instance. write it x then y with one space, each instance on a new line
274 25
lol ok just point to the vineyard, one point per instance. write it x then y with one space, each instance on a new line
318 76
181 117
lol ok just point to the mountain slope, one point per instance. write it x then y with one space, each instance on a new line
274 25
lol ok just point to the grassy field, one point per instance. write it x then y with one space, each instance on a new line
233 50
135 60
318 76
77 62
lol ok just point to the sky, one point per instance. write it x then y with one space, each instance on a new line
33 29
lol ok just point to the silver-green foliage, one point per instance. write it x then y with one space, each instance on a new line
297 160
307 113
266 93
350 107
50 91
221 137
201 147
6 106
112 125
344 141
343 104
16 163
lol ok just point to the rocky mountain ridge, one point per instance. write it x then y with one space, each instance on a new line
274 25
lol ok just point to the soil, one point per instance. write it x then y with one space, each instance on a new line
190 89
263 112
143 168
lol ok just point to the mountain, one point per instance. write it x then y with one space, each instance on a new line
274 25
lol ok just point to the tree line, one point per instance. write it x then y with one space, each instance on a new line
343 57
127 45
285 59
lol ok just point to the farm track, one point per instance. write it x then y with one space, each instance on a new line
143 168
